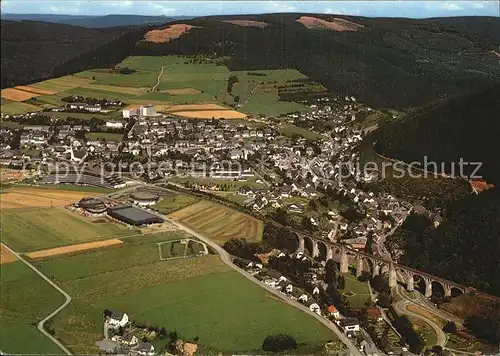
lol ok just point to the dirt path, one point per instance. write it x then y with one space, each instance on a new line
158 80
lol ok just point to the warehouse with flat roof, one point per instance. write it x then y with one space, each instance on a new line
132 215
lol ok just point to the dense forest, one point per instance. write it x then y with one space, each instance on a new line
462 128
31 50
397 63
464 248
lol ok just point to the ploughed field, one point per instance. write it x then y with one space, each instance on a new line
219 222
196 297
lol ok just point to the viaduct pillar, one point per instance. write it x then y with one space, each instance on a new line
393 277
301 244
410 285
359 266
315 249
428 287
329 253
447 290
344 262
376 269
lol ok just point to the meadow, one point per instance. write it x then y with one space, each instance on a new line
25 300
170 204
28 229
356 292
182 82
219 222
191 296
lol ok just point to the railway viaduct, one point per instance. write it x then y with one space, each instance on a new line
322 248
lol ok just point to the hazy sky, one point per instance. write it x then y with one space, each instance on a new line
401 8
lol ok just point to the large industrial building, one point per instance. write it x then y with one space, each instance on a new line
133 216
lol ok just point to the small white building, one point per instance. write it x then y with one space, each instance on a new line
117 319
314 307
350 325
114 124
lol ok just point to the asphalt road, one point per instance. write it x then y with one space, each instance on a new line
401 308
226 259
55 312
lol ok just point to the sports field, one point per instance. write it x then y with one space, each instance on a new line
219 222
191 296
25 300
31 229
27 197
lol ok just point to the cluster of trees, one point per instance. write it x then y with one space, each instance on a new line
230 82
405 328
242 248
87 100
280 238
279 342
486 328
124 70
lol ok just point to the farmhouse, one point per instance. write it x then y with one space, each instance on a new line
116 318
145 348
132 215
350 325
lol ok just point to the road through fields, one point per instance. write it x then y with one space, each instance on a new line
55 312
226 259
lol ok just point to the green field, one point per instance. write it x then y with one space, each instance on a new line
192 296
231 185
108 136
18 108
25 299
360 291
169 204
257 93
30 229
292 130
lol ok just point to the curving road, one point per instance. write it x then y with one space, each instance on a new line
55 312
401 308
226 259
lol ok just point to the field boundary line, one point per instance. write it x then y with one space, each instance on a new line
55 312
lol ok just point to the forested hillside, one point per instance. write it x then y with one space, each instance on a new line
464 248
395 63
31 50
465 127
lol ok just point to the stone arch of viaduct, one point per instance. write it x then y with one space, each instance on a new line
340 253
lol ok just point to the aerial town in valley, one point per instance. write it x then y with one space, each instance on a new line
248 184
308 180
